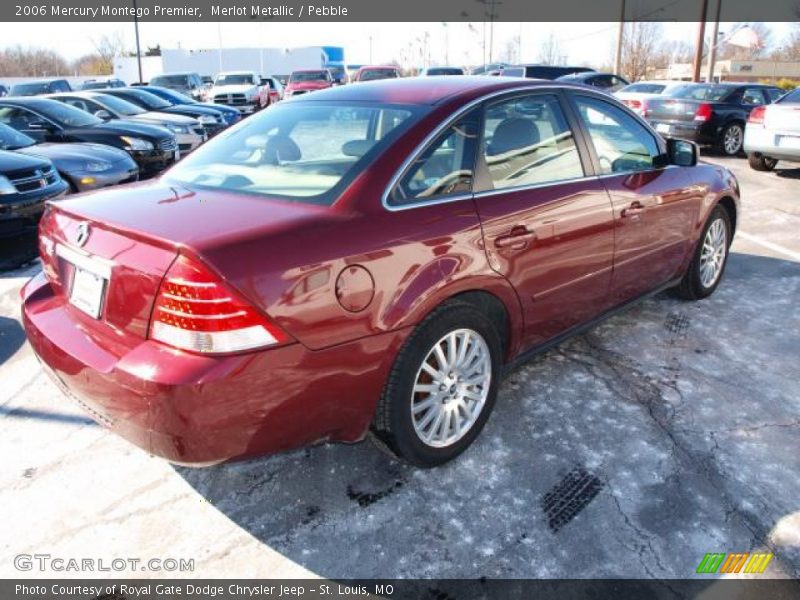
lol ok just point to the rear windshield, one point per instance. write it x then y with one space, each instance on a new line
168 80
644 88
377 74
703 92
308 76
149 99
235 79
302 151
793 96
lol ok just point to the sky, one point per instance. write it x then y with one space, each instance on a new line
460 43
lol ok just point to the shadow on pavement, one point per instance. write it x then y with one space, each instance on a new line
351 511
12 337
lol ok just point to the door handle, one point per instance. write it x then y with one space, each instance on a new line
636 208
516 239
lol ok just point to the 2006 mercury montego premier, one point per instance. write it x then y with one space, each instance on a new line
366 258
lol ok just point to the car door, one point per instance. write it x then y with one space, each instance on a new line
654 205
548 228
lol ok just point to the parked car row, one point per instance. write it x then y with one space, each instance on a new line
53 144
730 117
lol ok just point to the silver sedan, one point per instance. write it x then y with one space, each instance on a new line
773 132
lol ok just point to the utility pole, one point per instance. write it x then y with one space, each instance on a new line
446 45
712 49
620 39
138 49
698 50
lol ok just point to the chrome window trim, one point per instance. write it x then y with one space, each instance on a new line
431 136
474 195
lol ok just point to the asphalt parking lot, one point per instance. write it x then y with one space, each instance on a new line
668 432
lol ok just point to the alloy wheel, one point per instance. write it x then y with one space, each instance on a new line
732 141
451 388
712 257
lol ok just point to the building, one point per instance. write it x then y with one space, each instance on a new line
265 61
736 70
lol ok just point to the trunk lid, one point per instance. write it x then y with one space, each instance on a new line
673 109
783 117
134 235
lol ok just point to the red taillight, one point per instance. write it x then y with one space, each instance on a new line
703 112
634 104
196 311
757 115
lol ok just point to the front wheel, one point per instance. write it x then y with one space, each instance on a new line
442 387
759 162
731 139
708 264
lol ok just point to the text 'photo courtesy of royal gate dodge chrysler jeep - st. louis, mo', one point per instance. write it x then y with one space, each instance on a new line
367 260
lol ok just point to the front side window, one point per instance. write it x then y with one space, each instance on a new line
527 141
445 168
305 152
621 143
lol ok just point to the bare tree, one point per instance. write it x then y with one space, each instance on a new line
790 48
550 50
109 46
641 48
31 62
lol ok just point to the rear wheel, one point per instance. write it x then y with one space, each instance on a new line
731 139
708 264
442 387
759 162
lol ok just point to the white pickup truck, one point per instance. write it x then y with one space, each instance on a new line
240 89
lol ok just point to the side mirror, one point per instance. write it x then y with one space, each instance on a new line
102 114
682 153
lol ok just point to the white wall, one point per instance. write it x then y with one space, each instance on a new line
127 69
265 61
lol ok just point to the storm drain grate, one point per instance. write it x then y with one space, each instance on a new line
569 497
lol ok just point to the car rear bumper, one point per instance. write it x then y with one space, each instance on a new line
773 144
200 410
698 132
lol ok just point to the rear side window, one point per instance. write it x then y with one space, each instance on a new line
621 143
445 168
793 96
304 152
753 97
527 141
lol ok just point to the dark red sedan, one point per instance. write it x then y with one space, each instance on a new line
366 258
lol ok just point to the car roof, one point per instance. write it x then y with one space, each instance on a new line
32 102
425 90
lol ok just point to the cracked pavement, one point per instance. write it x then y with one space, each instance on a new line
667 432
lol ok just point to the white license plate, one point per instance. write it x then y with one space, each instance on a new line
87 292
789 141
177 154
662 128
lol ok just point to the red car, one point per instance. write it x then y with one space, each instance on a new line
367 258
309 80
376 73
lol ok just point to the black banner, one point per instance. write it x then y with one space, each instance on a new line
391 10
405 589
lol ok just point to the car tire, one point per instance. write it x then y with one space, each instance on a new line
759 162
731 139
426 419
710 255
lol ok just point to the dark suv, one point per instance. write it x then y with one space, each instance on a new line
37 88
26 182
186 83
